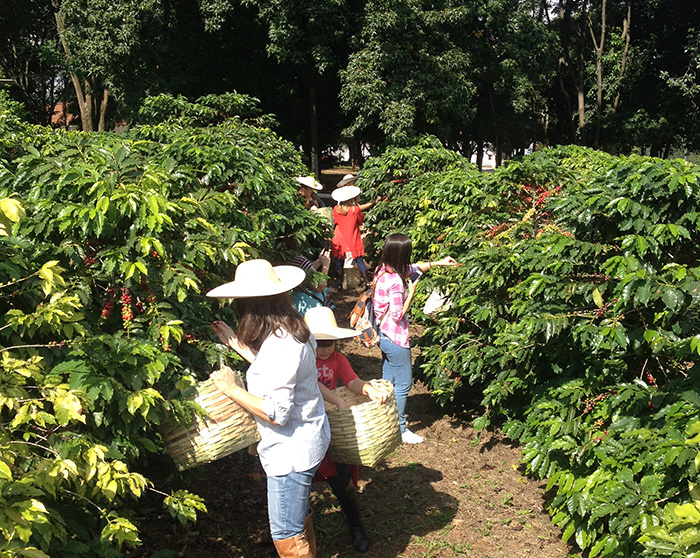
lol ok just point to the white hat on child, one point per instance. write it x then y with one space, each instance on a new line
321 322
345 193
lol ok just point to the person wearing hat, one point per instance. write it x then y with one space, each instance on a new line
347 180
333 366
348 216
307 192
283 394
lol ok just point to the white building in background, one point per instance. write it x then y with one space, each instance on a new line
489 161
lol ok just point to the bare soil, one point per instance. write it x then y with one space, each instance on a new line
460 493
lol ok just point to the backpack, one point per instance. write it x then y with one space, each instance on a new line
363 318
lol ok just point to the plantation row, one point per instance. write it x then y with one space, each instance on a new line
574 317
109 244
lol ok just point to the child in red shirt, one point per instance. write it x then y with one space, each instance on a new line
331 366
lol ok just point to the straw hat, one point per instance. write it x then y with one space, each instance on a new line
345 193
259 278
347 180
310 181
323 326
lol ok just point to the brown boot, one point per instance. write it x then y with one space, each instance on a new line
301 546
310 534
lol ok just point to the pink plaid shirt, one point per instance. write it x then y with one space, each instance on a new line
389 296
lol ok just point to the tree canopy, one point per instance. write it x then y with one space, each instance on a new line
510 74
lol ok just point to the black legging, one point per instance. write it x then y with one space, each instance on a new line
340 481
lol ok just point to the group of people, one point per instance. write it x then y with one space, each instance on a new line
295 366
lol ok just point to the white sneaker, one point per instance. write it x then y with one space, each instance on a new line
408 437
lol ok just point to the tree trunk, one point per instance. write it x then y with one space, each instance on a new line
626 26
85 106
480 154
103 110
576 73
91 108
598 46
355 153
315 168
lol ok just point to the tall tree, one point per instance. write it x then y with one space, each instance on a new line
104 47
30 55
306 35
407 75
470 73
587 49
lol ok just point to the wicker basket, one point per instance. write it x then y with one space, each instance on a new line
228 429
367 432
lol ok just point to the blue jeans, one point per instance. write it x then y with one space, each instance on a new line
396 367
359 262
288 503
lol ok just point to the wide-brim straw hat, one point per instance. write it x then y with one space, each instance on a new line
310 181
321 322
345 193
258 278
347 180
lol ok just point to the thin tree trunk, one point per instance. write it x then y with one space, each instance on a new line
83 103
626 33
103 110
315 170
355 153
577 77
87 100
599 46
480 154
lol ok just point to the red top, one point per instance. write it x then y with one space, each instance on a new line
329 370
335 366
347 232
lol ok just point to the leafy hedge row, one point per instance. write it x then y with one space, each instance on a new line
575 314
109 244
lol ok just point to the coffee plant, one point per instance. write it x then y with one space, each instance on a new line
108 244
574 317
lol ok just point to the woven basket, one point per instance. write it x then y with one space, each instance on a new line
367 432
228 429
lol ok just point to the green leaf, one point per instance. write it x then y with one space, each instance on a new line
673 298
598 298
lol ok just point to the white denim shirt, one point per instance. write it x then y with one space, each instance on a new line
284 375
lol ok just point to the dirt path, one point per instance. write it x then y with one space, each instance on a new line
457 494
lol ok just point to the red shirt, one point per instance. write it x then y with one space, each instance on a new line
330 370
346 236
334 367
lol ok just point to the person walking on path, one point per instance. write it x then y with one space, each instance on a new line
283 395
348 217
395 286
333 366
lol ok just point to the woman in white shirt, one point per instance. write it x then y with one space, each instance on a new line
283 394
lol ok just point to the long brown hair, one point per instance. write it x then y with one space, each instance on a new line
308 196
262 316
345 207
396 254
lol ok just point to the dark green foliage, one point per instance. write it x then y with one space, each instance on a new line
575 314
111 243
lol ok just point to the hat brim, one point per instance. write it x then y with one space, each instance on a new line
335 333
345 193
346 181
310 182
288 275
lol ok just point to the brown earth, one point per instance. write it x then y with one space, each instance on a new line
460 493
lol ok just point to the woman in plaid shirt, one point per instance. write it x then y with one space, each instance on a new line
392 299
